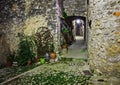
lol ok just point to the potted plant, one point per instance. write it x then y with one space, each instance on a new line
10 59
37 59
64 44
27 50
52 53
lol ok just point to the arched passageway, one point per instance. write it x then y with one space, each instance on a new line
71 21
77 49
68 14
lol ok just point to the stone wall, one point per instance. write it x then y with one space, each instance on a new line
104 36
40 13
75 7
12 19
23 17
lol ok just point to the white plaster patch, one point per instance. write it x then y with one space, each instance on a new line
115 60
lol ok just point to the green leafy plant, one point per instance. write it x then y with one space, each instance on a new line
11 57
42 60
65 30
52 47
56 78
64 14
27 50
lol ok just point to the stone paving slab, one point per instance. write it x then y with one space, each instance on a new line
77 49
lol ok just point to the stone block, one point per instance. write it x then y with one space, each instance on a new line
64 51
52 60
116 32
116 14
118 40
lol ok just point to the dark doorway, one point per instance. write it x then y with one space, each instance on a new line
77 25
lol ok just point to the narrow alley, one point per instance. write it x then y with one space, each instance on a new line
59 42
77 50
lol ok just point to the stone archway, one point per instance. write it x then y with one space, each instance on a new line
70 19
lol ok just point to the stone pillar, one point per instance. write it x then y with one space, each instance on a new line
58 26
104 36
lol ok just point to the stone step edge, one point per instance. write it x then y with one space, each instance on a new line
71 59
16 77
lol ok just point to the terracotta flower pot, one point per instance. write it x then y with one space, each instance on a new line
64 46
53 55
37 59
9 63
116 14
29 62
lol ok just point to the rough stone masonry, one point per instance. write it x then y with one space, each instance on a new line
104 36
23 16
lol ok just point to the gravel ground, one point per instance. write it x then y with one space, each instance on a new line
64 70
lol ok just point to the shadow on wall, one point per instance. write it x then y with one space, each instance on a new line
4 49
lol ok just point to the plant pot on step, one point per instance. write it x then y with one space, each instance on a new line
64 46
53 55
37 59
10 59
9 63
29 62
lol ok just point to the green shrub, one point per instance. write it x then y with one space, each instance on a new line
27 50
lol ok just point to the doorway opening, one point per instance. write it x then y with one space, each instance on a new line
77 26
74 26
76 37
